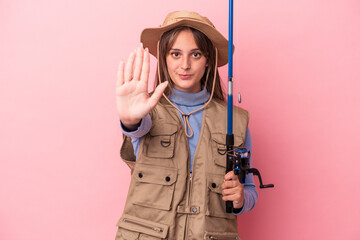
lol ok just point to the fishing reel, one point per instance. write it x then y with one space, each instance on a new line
238 159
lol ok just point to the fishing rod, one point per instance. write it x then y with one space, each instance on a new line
237 158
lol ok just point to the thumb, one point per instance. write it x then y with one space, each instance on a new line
155 97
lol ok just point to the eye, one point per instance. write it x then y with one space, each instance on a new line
196 55
175 54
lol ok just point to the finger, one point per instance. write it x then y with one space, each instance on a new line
230 197
138 62
227 184
120 74
129 67
236 198
145 67
231 191
230 175
154 99
231 184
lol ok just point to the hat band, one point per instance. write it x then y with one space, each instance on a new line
175 20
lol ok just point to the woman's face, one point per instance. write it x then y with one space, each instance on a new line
186 63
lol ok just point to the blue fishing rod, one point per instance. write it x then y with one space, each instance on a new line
237 158
230 135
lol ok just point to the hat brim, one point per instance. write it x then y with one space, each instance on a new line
150 37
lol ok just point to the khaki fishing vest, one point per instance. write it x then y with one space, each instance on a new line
165 200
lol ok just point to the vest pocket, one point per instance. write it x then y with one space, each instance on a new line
161 141
218 146
133 228
154 186
216 206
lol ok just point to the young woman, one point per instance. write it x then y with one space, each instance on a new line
175 137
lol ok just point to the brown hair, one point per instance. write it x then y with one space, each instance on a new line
206 47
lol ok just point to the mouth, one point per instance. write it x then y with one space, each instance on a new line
185 76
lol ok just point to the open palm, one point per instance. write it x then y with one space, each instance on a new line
132 97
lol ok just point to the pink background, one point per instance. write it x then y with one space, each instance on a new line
298 67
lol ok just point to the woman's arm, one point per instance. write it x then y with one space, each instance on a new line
135 135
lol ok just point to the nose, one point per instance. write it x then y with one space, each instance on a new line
186 64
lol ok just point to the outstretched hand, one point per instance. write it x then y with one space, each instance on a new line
132 97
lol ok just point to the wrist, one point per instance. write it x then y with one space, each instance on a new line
130 127
238 206
237 210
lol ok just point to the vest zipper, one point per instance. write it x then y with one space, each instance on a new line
190 186
211 237
189 194
189 198
156 229
188 204
190 177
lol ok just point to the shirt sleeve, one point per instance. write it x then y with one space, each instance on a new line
250 193
136 135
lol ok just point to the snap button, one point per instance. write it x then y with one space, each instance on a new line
167 179
213 185
140 175
194 209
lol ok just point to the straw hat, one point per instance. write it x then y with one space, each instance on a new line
150 36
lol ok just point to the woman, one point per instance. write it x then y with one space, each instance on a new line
175 137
